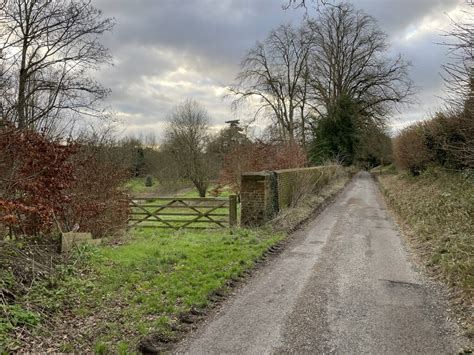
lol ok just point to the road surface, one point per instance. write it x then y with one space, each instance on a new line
344 285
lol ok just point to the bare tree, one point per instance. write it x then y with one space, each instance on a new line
48 47
459 81
459 72
275 72
186 139
349 59
304 3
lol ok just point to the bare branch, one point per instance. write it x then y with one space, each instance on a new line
186 140
458 73
48 49
275 72
349 59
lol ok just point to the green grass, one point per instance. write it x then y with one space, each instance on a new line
438 207
112 296
225 192
14 316
137 185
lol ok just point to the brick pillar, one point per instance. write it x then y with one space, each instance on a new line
256 198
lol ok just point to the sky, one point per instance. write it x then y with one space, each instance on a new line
167 51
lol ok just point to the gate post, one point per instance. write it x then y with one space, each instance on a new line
232 211
257 198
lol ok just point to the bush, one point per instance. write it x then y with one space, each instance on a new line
49 185
410 151
35 173
450 136
335 134
446 140
351 136
96 203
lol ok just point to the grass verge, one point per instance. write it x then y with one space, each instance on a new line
109 298
437 209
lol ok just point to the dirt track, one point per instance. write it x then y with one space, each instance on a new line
345 284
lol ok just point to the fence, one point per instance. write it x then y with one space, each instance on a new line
177 212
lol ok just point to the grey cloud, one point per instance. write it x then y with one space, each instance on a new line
207 38
395 16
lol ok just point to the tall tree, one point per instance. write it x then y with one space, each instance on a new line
350 59
275 72
186 140
354 84
225 141
48 46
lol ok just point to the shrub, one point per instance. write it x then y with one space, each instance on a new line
410 150
96 203
335 134
35 173
450 136
446 140
351 136
49 184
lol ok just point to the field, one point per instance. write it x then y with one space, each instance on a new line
137 187
437 209
112 296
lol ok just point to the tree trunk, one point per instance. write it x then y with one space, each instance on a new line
303 133
21 104
202 190
201 187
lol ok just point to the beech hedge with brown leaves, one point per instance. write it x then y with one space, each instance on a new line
52 185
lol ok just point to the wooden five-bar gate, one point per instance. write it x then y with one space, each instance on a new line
178 212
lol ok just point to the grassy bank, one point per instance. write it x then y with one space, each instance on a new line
437 208
108 298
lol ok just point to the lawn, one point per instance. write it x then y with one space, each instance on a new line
223 192
438 209
108 298
137 186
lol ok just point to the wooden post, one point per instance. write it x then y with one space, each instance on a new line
232 211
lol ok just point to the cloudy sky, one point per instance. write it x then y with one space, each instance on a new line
168 50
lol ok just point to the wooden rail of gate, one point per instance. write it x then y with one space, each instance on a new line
178 212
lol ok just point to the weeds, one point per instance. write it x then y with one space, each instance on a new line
438 206
112 296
